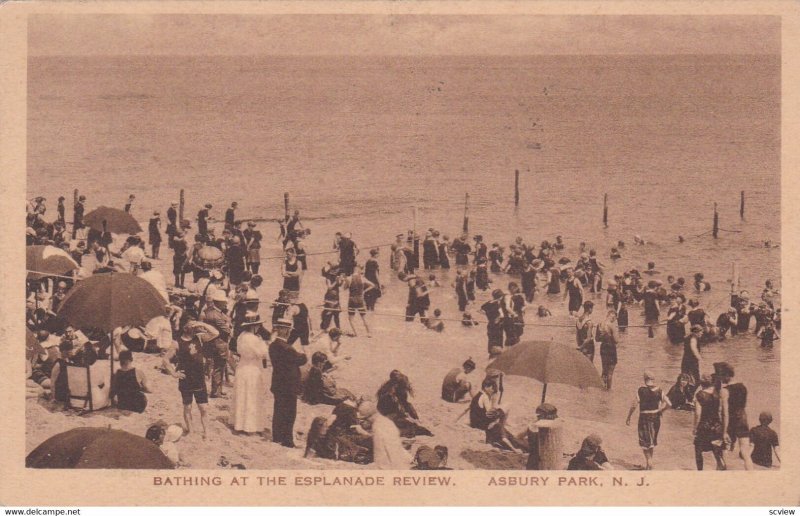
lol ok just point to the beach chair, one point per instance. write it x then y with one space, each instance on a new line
79 380
89 387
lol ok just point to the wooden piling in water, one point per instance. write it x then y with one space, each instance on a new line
466 213
181 208
286 205
605 210
516 188
74 197
741 205
715 228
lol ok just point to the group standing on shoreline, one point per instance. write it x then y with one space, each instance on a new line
219 333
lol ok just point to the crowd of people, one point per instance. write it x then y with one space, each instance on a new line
212 337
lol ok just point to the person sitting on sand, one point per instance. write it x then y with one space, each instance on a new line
590 457
320 386
129 385
488 414
387 447
341 437
394 403
60 387
456 385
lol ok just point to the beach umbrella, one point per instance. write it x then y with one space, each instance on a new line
209 257
97 448
111 300
47 260
117 221
548 362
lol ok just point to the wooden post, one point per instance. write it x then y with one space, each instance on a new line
286 205
544 392
74 197
605 210
715 229
741 206
181 208
516 188
466 214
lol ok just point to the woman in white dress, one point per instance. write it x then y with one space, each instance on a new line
249 413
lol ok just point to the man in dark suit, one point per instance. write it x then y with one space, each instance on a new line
230 215
77 216
172 222
286 386
202 220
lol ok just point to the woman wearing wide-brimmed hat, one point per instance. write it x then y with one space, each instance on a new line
248 409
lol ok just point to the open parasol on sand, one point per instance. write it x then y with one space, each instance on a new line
209 257
117 221
111 300
548 362
44 260
97 448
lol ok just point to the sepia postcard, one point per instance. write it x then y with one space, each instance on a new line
399 253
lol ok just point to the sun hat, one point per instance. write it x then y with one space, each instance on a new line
251 318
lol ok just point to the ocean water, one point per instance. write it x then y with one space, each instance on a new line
358 141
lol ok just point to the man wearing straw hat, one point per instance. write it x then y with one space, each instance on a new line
286 385
216 350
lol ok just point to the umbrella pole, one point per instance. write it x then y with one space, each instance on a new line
544 392
111 352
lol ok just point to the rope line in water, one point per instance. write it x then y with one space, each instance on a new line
317 253
322 308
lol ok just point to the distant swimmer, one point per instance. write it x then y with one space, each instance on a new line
769 245
651 269
700 284
638 240
680 239
615 254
